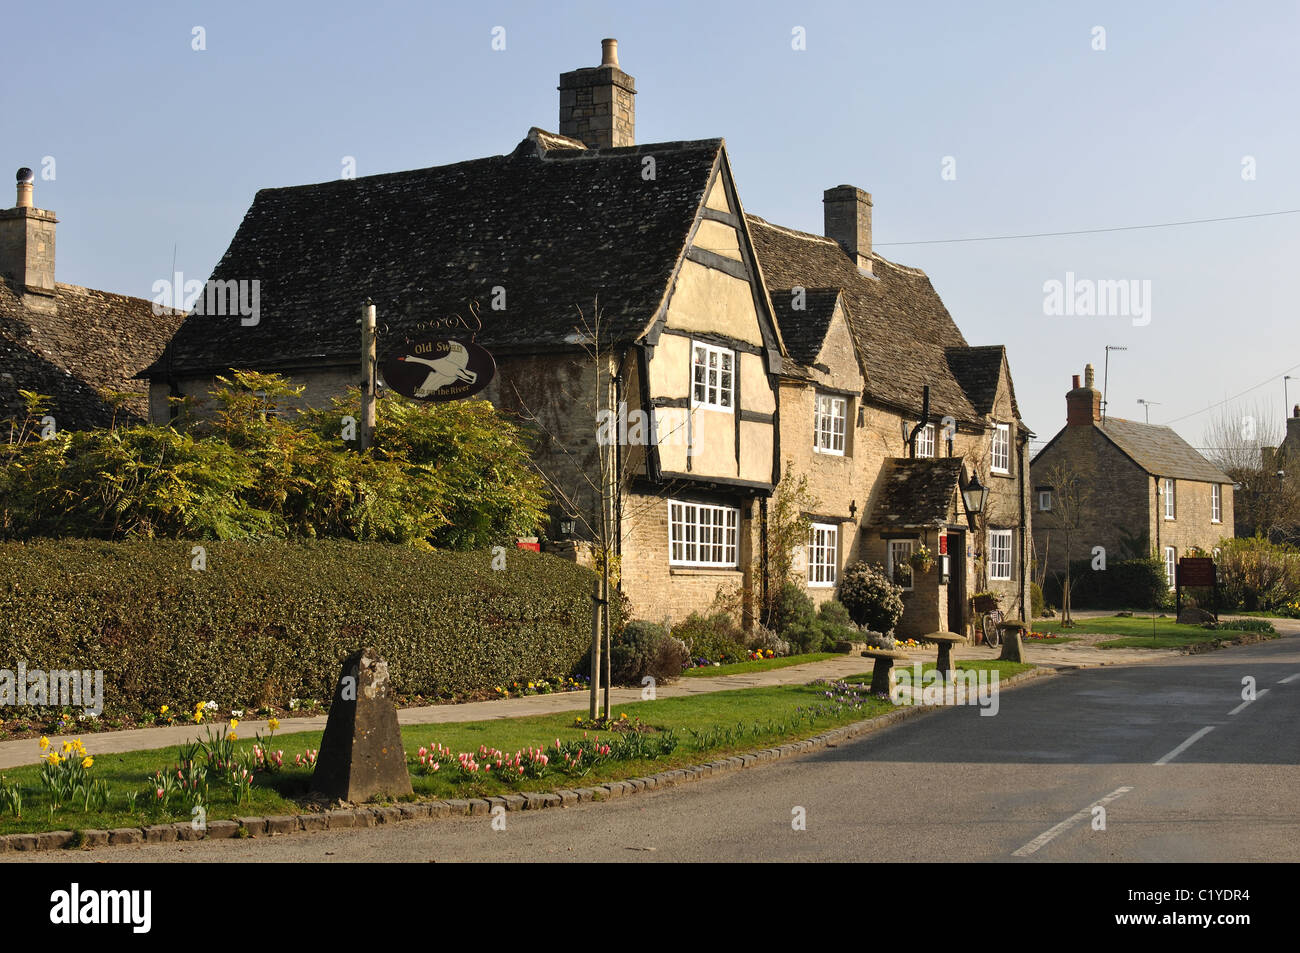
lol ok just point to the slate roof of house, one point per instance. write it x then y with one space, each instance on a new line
94 341
901 328
804 330
1160 451
555 228
915 492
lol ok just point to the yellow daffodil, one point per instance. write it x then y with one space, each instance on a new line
87 762
273 724
52 757
67 747
45 742
234 723
233 736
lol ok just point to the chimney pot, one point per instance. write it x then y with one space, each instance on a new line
596 103
1083 404
25 180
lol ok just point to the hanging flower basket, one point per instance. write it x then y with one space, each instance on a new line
984 602
922 560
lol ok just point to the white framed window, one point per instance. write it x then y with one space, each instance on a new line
713 377
1045 501
900 570
829 425
823 554
1216 503
925 441
1169 498
702 535
1001 462
1170 563
1000 554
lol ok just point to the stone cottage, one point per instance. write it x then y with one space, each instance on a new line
729 345
79 347
1144 488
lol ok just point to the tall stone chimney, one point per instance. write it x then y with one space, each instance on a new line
596 102
1083 404
847 214
27 242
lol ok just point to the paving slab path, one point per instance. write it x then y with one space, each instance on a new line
1071 655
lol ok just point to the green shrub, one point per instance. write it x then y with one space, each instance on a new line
871 598
453 475
270 621
792 609
646 648
714 638
1036 600
1256 575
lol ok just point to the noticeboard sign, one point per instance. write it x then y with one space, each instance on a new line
1196 571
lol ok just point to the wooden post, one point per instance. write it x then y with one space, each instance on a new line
368 363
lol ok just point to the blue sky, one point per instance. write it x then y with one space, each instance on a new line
157 146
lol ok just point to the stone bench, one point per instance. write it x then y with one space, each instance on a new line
945 640
882 680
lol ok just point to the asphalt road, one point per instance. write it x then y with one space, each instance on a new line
953 785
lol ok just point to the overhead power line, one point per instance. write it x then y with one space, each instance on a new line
1094 231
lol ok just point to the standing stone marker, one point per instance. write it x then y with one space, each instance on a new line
361 754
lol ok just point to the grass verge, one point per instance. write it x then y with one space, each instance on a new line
707 726
736 668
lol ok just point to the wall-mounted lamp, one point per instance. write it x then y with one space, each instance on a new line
975 496
853 509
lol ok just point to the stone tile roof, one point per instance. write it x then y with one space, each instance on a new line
555 228
804 331
979 371
916 492
1160 451
91 342
902 329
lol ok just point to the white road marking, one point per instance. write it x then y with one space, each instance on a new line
1186 744
1049 835
1260 694
1289 679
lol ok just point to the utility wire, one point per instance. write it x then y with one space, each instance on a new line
1093 231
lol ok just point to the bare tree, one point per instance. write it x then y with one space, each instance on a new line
1241 441
1071 497
590 479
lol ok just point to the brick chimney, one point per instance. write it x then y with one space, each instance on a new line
27 242
1083 404
596 102
847 214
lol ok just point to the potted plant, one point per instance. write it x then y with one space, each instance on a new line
983 602
922 559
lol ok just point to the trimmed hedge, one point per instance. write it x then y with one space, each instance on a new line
273 620
1124 584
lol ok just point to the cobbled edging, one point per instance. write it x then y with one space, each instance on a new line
376 815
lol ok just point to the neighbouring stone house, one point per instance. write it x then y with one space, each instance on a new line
705 338
79 347
1144 489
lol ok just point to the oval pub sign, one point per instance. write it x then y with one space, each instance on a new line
439 369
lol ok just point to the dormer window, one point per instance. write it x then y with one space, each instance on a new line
713 376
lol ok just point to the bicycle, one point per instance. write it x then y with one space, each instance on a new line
992 634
